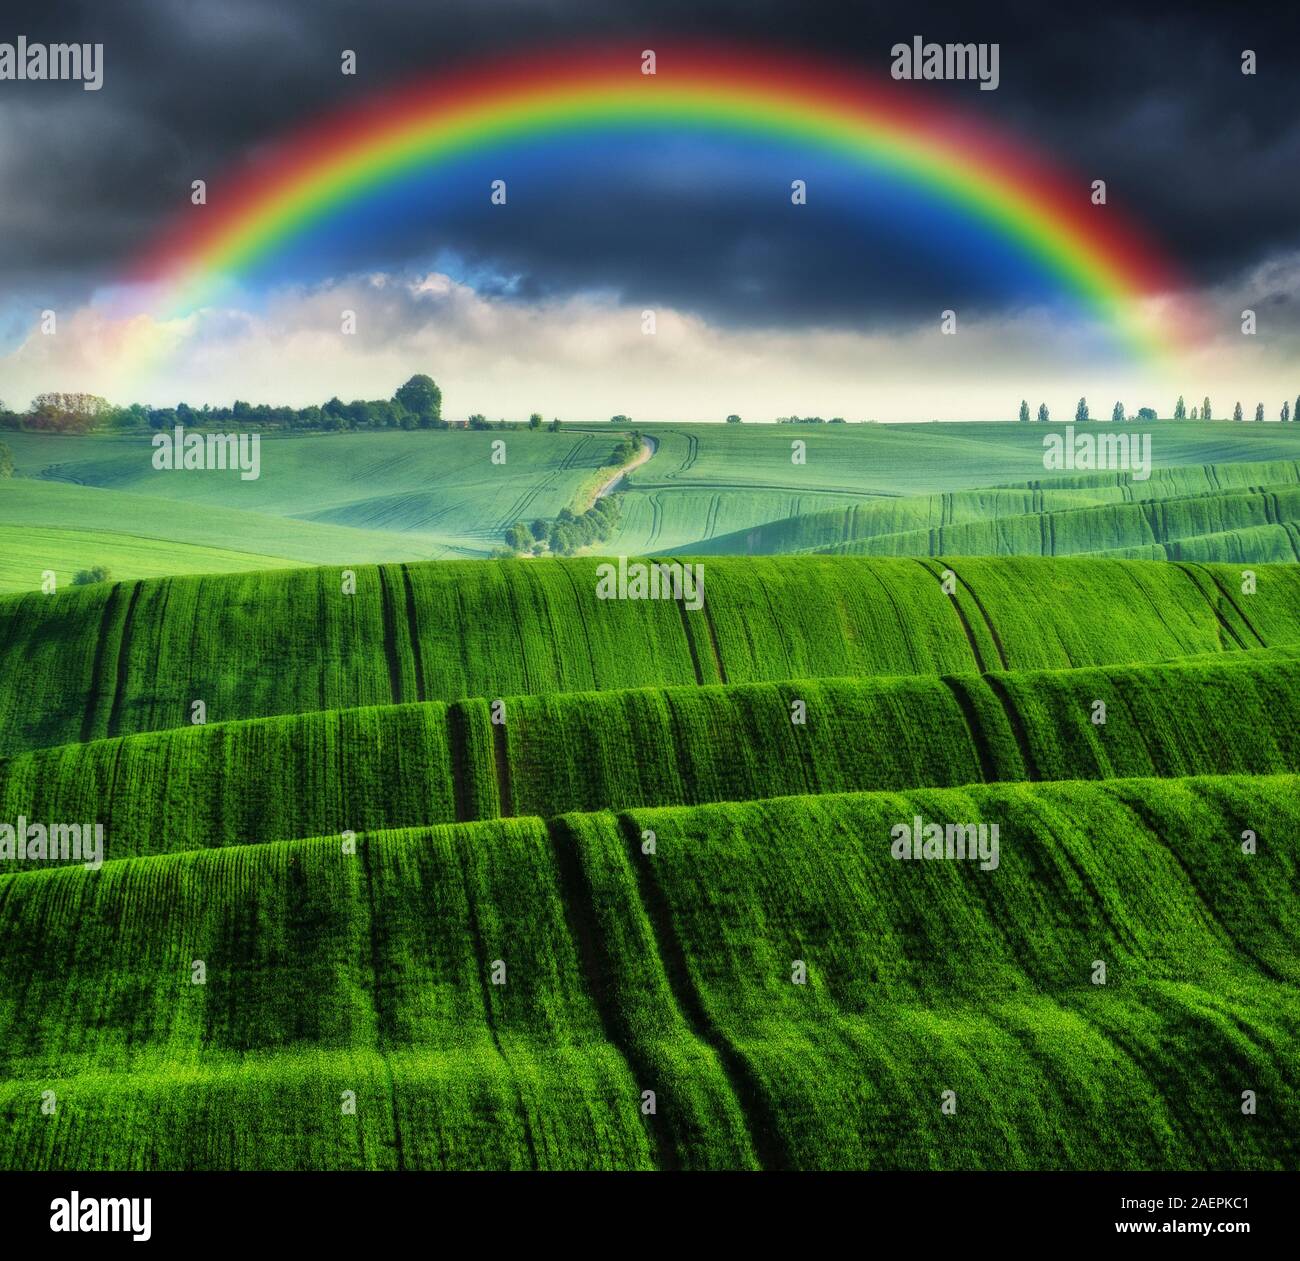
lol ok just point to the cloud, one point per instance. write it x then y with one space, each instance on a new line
585 357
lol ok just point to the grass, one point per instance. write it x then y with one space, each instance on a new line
710 481
65 527
328 972
1048 514
401 766
438 489
360 498
120 658
647 844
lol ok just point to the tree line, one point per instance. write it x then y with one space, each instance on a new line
415 405
1202 412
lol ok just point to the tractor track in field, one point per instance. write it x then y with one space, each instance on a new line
988 622
94 693
975 653
459 746
1016 723
579 902
656 520
690 642
389 614
377 1004
528 496
113 726
480 952
988 767
1227 595
746 1086
1151 826
1183 568
501 765
413 630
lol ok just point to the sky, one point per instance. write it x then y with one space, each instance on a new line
832 312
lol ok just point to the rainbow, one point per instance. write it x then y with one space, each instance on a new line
1091 252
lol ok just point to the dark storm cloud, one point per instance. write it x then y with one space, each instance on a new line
1154 103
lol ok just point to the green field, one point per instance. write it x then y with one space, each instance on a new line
399 766
414 859
1225 492
327 978
706 482
112 659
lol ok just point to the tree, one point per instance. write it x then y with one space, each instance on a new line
620 419
1286 412
1236 412
1205 408
1295 415
1043 415
540 528
554 426
1195 414
1024 412
1259 412
535 420
1117 412
1081 412
96 573
421 398
1180 409
518 537
733 419
1146 413
68 413
6 461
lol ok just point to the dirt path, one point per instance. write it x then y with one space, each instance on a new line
648 447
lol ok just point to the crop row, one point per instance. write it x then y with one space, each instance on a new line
1170 523
922 515
399 766
791 993
116 659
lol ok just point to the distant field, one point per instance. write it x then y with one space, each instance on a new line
362 498
438 490
709 480
1021 520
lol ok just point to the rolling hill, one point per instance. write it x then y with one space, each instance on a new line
789 993
1227 492
462 866
397 766
113 659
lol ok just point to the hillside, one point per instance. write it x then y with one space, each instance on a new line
349 921
1061 517
416 492
404 765
327 973
387 496
709 481
125 657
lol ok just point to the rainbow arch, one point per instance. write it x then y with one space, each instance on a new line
1093 252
